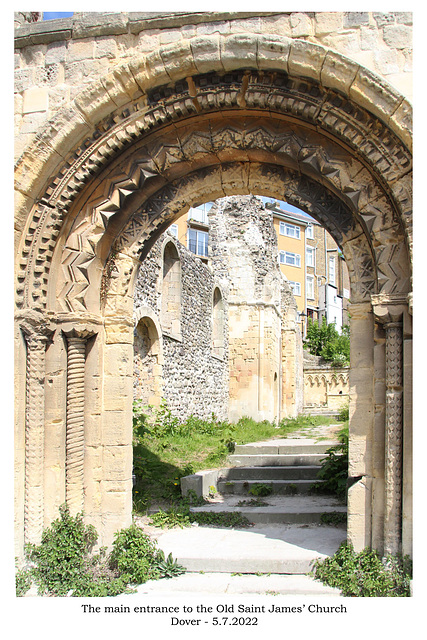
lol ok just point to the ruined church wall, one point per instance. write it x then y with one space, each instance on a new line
193 379
243 248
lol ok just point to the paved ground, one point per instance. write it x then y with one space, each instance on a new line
262 559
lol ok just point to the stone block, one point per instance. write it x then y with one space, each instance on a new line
398 36
328 22
118 333
338 72
355 18
301 25
94 102
178 60
91 24
36 167
56 53
401 122
273 52
67 125
106 48
239 51
117 424
78 50
306 60
206 52
208 28
374 94
35 99
117 462
149 70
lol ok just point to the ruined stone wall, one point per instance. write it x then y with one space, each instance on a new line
57 59
262 309
193 379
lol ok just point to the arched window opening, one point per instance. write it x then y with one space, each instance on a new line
147 367
171 291
218 324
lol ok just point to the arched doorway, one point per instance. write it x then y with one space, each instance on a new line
328 135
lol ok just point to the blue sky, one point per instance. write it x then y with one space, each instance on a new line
51 15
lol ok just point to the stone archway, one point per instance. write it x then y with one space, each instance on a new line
175 128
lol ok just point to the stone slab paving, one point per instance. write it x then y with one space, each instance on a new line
263 548
212 584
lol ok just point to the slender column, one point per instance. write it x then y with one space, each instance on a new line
75 436
34 435
389 312
393 437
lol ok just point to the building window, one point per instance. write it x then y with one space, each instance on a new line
198 242
310 287
296 287
173 229
291 259
310 256
332 270
346 293
290 230
309 233
200 214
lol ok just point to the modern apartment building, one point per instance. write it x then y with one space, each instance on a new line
314 265
308 256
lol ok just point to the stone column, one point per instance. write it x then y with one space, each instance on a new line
390 314
75 436
36 340
393 437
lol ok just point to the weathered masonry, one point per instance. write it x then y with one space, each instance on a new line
123 122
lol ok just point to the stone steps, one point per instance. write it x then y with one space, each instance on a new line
299 509
284 538
214 583
277 460
277 487
307 472
263 548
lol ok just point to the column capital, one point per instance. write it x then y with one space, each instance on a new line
389 309
36 326
79 332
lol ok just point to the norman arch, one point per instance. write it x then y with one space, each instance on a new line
174 128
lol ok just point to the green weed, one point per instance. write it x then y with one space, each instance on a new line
365 574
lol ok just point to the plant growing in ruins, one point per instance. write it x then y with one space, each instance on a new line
63 563
365 574
261 489
324 340
334 469
137 559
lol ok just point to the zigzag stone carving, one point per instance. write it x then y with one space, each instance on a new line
182 149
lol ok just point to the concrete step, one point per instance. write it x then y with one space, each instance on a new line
299 509
269 473
277 460
278 487
274 549
285 446
205 584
